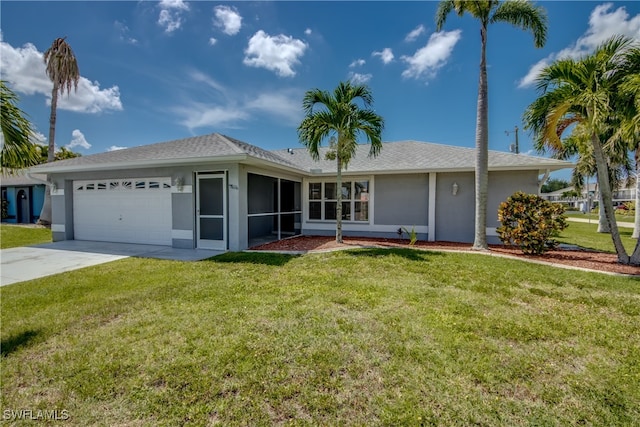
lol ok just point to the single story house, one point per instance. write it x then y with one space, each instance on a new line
217 192
25 197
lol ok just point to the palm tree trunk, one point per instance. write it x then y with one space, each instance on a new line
339 197
603 224
45 213
482 150
636 225
606 198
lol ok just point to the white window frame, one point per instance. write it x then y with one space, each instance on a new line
352 200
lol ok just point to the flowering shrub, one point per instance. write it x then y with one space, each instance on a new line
530 222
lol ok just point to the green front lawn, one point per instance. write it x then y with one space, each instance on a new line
586 235
365 337
12 236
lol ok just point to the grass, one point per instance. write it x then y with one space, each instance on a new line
12 236
587 236
365 337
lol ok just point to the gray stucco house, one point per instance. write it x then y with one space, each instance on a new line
216 192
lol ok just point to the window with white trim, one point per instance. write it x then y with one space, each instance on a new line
323 201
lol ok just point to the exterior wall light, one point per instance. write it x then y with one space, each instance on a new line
454 189
179 183
54 186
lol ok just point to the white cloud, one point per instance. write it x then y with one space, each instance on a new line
308 31
78 140
357 63
123 33
228 19
603 24
212 41
24 68
429 59
386 55
232 109
116 148
171 14
415 33
285 105
198 115
278 53
358 78
38 138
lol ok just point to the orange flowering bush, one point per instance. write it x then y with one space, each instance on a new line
530 222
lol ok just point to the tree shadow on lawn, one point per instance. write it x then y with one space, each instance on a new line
265 258
11 344
410 254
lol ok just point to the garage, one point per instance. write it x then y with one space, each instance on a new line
136 210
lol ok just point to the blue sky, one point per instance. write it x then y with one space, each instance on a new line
157 71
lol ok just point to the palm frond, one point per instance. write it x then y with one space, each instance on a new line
525 15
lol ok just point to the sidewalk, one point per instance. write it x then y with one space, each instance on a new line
595 221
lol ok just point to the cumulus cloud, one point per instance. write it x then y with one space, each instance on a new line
425 63
228 19
276 53
24 68
358 78
116 148
307 31
357 63
415 33
604 22
171 14
386 55
212 41
78 140
123 33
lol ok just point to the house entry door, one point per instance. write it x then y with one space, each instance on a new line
211 211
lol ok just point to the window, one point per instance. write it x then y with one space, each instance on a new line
323 200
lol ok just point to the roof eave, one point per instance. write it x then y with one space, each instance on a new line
140 164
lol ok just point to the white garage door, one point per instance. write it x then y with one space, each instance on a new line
123 210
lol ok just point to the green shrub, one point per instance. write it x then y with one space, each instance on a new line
5 208
530 222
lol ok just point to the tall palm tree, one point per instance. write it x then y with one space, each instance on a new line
583 91
340 120
519 13
62 69
628 107
17 149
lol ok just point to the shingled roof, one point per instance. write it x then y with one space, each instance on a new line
395 157
195 149
414 156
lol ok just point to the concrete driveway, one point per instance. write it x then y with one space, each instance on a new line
32 262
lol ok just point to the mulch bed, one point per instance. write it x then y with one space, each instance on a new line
575 258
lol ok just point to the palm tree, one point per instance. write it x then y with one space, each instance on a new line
628 107
583 91
519 13
62 69
341 120
17 149
578 143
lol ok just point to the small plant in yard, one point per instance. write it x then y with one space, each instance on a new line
530 222
413 236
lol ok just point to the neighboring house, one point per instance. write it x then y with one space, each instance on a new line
216 192
587 199
25 196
